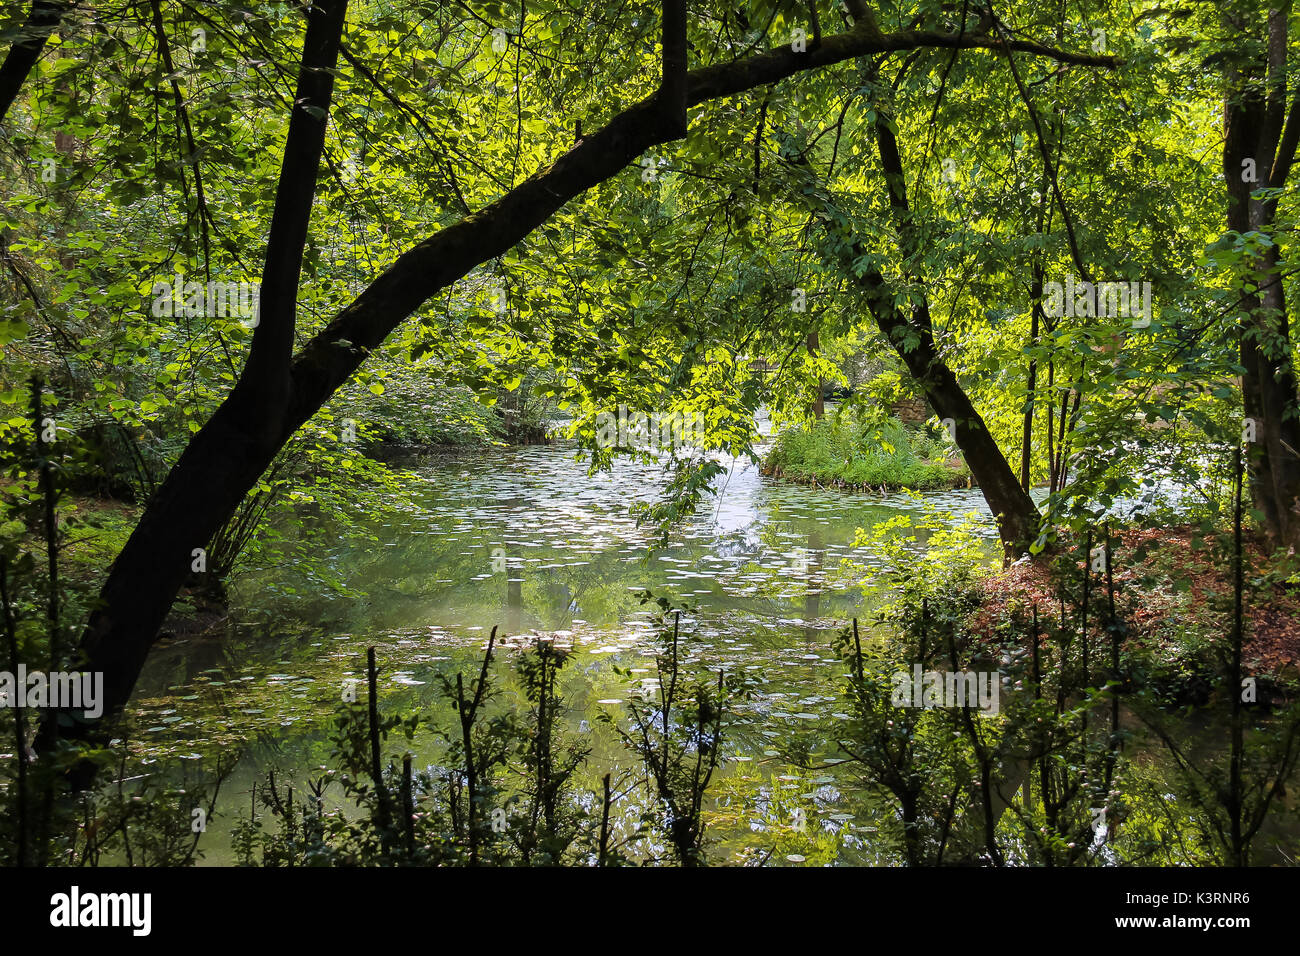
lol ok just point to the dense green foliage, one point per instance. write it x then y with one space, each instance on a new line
847 450
481 216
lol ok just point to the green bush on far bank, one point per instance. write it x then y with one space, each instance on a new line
861 452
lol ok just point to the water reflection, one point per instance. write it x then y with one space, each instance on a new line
526 539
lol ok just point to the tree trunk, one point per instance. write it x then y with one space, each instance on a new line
1260 134
1016 514
223 460
22 56
913 339
819 400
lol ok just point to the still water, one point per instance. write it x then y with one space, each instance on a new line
526 540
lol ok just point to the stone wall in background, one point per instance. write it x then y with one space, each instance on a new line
911 411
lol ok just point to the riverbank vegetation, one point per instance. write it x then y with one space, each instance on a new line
852 452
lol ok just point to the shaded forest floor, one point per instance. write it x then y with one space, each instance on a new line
1173 587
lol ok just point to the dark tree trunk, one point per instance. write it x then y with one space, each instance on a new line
1017 515
1031 383
232 450
819 400
223 460
1261 133
913 339
22 56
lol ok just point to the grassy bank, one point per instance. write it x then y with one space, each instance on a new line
846 452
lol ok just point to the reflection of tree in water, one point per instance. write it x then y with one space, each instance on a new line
597 591
813 596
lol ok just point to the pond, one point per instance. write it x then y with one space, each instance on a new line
525 539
